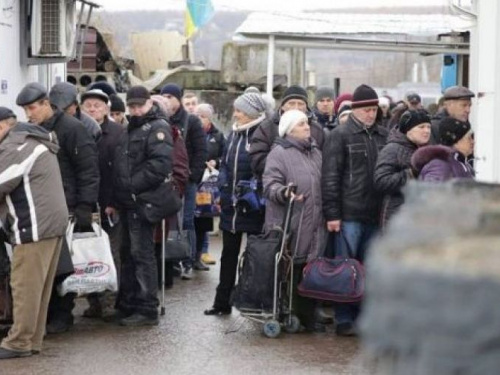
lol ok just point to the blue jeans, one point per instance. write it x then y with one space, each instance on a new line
138 282
354 240
188 220
206 242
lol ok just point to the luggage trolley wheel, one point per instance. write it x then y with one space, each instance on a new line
272 328
292 324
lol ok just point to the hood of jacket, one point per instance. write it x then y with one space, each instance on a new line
22 131
425 154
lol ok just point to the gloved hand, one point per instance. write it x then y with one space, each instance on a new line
83 216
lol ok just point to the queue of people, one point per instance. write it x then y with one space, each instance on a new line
349 157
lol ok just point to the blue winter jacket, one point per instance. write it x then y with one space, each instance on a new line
235 167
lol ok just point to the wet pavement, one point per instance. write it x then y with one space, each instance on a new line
187 342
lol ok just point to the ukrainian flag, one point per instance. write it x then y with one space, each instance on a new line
198 13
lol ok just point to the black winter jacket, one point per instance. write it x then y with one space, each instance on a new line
215 144
110 136
350 154
143 158
263 139
393 171
436 119
196 145
326 121
78 159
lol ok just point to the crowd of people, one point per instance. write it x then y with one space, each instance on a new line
349 156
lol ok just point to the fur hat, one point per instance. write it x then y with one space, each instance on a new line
288 121
452 130
103 86
364 96
252 104
412 118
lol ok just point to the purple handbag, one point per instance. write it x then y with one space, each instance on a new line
339 280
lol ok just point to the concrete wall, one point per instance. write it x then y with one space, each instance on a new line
13 76
244 65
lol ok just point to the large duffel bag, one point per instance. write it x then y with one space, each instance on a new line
255 286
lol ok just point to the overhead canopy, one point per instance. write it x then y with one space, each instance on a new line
355 31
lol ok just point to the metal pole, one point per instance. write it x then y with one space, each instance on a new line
78 30
84 36
270 65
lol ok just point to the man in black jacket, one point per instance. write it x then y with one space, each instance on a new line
350 204
323 108
78 162
143 161
190 126
294 97
95 103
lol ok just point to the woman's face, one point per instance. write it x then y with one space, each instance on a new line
420 134
241 118
301 130
466 144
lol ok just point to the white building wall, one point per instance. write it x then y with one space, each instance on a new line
13 76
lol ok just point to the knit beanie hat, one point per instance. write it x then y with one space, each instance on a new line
288 121
452 130
412 118
250 89
117 104
252 104
172 89
364 96
294 92
323 92
341 98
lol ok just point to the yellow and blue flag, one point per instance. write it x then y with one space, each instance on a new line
198 13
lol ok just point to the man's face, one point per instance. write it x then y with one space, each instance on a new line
71 110
459 108
6 125
325 106
173 103
366 115
414 105
140 109
294 104
117 117
96 109
190 104
39 111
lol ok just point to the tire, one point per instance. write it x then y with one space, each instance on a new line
292 324
272 329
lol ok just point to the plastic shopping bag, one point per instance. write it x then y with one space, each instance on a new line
95 270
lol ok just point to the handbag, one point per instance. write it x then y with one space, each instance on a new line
160 203
208 198
341 279
176 244
248 196
95 269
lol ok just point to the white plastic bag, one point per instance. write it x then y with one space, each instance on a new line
95 270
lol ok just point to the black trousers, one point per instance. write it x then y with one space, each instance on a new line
231 245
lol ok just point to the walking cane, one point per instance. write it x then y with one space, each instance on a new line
162 310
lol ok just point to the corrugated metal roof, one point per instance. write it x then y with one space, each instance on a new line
352 23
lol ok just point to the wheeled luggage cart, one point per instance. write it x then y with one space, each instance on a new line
282 313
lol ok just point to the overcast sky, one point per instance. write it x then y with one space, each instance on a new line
262 5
